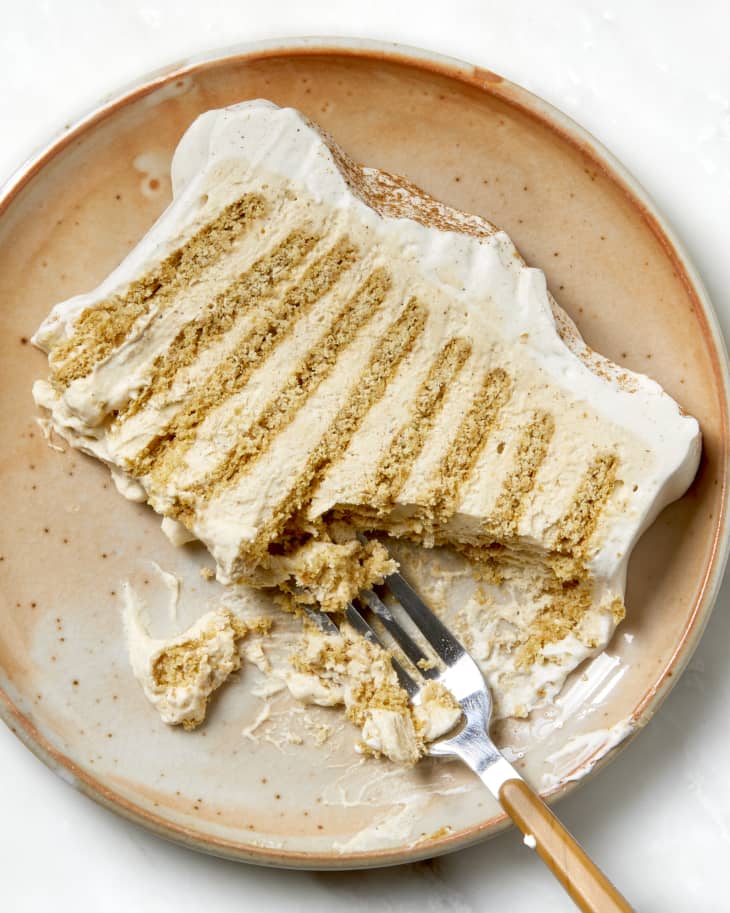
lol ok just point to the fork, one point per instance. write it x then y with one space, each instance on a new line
582 879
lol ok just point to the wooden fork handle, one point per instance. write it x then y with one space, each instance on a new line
581 878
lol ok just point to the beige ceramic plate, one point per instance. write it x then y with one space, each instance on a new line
476 142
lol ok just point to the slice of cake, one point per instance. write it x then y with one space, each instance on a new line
301 349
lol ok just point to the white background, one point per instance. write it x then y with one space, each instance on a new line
652 81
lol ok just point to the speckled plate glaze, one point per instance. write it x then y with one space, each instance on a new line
236 787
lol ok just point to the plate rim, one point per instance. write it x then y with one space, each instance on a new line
548 115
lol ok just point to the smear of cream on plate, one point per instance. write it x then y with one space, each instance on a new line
582 752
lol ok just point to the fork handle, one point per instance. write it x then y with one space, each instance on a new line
581 878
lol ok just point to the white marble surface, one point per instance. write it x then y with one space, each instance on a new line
652 81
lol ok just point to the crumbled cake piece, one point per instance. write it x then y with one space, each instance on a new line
329 574
344 668
179 675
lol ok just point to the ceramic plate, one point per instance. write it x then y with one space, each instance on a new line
241 786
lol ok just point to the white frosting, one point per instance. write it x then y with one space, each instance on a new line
176 532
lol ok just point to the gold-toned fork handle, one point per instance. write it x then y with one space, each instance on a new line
581 878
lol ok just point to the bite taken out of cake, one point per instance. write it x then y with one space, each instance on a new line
302 350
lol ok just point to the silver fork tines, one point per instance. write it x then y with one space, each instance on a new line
447 647
399 634
359 624
327 626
